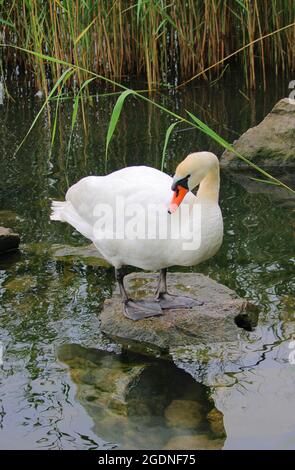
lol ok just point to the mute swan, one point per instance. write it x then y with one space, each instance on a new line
149 200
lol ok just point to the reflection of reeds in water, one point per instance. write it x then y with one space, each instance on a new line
159 40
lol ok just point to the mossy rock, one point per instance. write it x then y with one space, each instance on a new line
270 144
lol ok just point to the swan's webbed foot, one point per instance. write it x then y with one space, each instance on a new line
136 309
170 301
139 309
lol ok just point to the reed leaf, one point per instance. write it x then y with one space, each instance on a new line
76 108
143 37
167 137
84 32
115 117
67 73
195 122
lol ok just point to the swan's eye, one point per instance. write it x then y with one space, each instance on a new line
183 182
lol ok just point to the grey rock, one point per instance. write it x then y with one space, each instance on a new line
270 144
9 241
216 321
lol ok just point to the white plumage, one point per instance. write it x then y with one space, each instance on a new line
142 195
144 186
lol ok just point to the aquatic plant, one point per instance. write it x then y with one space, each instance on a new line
189 119
163 42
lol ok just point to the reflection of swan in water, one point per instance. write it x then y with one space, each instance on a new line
141 405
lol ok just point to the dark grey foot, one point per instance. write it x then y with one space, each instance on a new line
170 301
139 309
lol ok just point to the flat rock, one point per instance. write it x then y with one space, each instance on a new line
270 144
218 320
9 241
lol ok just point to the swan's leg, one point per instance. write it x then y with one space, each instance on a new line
162 284
170 301
119 275
136 309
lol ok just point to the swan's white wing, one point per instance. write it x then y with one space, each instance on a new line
135 185
141 185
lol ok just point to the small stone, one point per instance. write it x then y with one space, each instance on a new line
9 241
183 414
194 442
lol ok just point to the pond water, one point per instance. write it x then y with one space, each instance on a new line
62 384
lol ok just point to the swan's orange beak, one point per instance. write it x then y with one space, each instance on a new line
177 198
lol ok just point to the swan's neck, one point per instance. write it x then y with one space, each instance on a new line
209 186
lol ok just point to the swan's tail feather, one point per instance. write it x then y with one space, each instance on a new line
58 208
65 212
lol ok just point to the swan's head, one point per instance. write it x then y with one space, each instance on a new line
189 174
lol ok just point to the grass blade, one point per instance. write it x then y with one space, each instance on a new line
264 181
167 137
138 10
84 32
76 107
196 122
55 119
67 73
115 117
208 131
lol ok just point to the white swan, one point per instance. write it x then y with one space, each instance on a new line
126 216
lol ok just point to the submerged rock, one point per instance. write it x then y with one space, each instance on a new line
106 382
279 193
183 414
9 218
215 418
138 402
88 253
270 144
21 283
9 241
217 320
196 442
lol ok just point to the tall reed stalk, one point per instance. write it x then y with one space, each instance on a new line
161 41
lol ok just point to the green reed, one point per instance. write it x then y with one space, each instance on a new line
161 41
190 119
